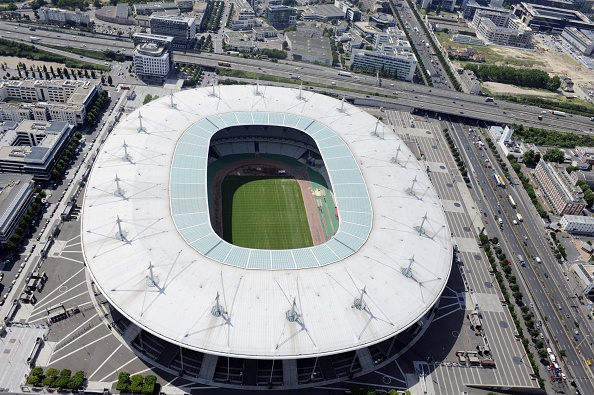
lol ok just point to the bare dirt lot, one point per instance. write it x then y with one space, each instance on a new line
544 56
12 62
497 87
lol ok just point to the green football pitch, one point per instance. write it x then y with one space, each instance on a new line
264 213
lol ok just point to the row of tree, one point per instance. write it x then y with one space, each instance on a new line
97 107
59 72
212 16
552 138
136 383
530 78
56 379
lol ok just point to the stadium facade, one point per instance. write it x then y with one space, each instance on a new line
230 316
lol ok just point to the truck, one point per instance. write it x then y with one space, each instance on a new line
297 77
511 201
520 218
34 39
521 260
344 73
557 113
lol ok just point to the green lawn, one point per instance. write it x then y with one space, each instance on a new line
264 213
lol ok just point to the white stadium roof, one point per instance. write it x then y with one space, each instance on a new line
151 185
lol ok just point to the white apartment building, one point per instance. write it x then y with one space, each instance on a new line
577 224
74 114
57 16
501 29
60 100
560 190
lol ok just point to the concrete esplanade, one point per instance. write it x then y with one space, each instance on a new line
150 247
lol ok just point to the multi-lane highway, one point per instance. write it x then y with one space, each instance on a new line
548 292
421 42
406 94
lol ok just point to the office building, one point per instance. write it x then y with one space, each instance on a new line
351 12
559 189
580 39
16 195
34 147
382 21
153 57
280 16
390 60
309 46
182 29
579 224
392 55
163 8
554 20
264 32
323 13
56 16
244 17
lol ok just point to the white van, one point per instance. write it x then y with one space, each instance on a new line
537 259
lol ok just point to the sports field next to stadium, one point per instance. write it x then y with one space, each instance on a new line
264 213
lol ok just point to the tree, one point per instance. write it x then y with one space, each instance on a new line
554 155
554 83
33 380
109 80
37 371
529 157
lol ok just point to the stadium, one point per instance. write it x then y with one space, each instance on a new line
256 238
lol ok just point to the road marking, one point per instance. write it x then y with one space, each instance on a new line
86 292
77 350
107 359
64 282
118 369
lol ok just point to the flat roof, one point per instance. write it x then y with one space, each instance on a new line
402 270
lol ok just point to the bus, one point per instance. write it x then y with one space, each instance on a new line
501 182
344 73
511 201
222 63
